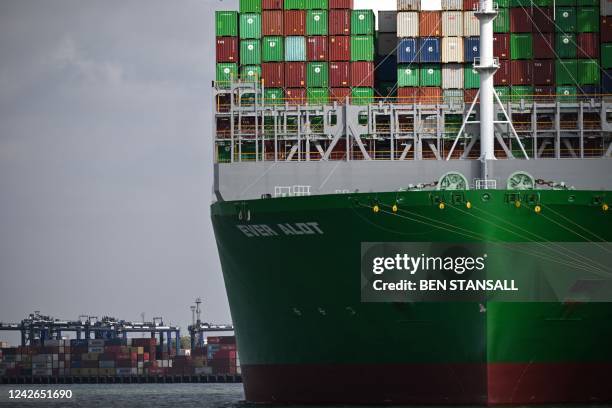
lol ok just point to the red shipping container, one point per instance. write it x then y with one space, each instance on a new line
340 4
339 95
273 74
470 5
544 93
520 20
543 72
520 72
316 48
430 95
605 29
295 22
469 95
227 49
501 46
588 45
296 96
543 21
339 74
272 22
272 4
340 48
502 76
362 74
339 22
407 95
430 23
543 46
295 74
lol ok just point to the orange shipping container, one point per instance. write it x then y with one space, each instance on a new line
430 24
339 95
430 95
272 22
362 74
295 22
407 95
340 22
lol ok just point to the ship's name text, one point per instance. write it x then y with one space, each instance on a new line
284 229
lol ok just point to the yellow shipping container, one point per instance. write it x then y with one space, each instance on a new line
140 350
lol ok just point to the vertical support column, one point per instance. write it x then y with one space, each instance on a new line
177 335
558 131
581 128
347 130
534 127
486 68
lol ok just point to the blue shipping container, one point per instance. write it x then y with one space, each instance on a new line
590 90
295 48
471 49
386 68
606 82
429 50
407 51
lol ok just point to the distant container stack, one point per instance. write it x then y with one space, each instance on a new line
303 51
117 357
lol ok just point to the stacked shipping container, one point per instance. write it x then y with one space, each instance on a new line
117 357
302 50
425 56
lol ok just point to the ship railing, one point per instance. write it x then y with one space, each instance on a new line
485 184
292 191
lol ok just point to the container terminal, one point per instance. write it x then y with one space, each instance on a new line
106 351
454 121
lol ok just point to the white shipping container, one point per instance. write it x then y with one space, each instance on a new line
129 342
387 21
42 358
408 5
452 76
9 357
452 49
55 364
407 24
61 364
52 343
452 4
471 25
140 364
386 44
18 357
452 24
606 7
431 5
67 357
203 370
55 357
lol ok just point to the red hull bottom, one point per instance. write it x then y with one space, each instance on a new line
480 384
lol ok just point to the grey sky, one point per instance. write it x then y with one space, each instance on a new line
106 160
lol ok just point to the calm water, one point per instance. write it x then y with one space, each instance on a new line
146 395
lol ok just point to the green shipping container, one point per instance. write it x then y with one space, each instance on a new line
250 26
566 19
224 152
316 4
250 6
317 96
503 92
407 76
588 72
430 75
362 96
471 78
250 52
565 45
566 72
569 3
273 49
316 22
522 92
588 20
503 3
362 22
226 23
594 3
295 4
501 24
362 48
250 73
566 93
606 55
521 46
317 75
274 96
226 73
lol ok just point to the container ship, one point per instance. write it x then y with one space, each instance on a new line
459 122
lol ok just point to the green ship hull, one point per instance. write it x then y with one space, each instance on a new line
292 272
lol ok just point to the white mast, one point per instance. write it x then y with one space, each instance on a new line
486 66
